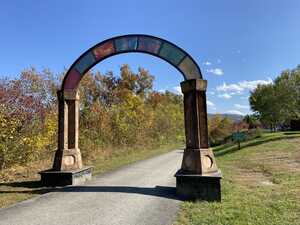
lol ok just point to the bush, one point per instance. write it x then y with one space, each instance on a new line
115 113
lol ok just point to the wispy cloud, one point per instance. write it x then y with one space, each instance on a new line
207 63
225 96
177 90
242 86
216 71
211 105
241 106
235 112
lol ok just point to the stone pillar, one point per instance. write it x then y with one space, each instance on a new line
68 156
67 166
199 177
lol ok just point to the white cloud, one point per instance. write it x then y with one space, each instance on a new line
242 86
207 63
241 106
225 96
211 93
235 112
162 91
211 105
216 71
177 90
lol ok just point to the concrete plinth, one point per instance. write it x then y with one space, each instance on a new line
198 187
51 178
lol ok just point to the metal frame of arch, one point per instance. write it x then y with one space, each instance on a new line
199 177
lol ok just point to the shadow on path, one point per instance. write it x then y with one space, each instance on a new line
158 191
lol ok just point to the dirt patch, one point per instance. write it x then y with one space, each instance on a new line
252 178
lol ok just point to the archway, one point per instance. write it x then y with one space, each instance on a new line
199 177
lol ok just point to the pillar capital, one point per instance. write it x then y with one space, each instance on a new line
68 95
71 94
194 84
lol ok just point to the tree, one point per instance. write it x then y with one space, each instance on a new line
219 128
278 103
252 121
263 100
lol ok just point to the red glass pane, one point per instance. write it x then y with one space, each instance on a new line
103 50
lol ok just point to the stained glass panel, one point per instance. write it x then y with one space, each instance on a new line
126 44
189 68
148 44
85 62
103 50
72 80
171 53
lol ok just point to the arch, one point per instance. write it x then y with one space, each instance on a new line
199 177
147 44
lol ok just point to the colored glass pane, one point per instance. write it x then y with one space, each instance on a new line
189 68
85 62
148 44
72 80
171 53
103 50
126 44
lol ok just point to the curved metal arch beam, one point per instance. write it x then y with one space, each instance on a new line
152 45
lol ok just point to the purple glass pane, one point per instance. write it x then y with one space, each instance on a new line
148 44
72 80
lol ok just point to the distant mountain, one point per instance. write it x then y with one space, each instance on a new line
234 117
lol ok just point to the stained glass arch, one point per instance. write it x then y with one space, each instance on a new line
152 45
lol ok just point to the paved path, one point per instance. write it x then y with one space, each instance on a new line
139 194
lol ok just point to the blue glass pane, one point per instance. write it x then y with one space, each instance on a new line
85 62
171 53
126 44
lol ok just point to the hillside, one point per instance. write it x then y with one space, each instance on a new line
234 117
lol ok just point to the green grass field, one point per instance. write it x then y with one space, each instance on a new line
260 185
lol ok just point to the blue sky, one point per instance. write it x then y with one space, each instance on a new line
237 44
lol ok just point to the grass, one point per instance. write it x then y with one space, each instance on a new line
26 187
261 185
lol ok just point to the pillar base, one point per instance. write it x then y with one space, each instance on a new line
198 187
51 178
